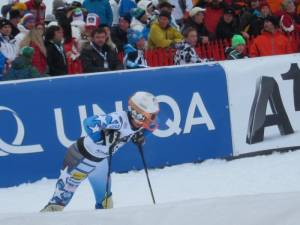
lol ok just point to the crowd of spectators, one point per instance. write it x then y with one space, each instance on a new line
88 36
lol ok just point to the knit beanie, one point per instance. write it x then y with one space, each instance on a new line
237 40
27 52
138 13
27 18
134 36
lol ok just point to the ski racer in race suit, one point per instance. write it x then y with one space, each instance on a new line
88 157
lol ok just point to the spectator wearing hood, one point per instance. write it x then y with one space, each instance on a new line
97 56
27 23
140 21
7 42
38 9
185 50
101 8
35 40
196 20
162 35
119 32
227 26
237 49
134 51
271 41
56 58
22 66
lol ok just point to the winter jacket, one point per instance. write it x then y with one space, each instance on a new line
38 11
134 58
39 60
19 38
8 47
211 19
15 30
139 26
114 4
56 59
231 53
186 54
2 65
119 37
163 38
201 29
73 57
101 8
268 44
126 6
21 69
226 30
96 59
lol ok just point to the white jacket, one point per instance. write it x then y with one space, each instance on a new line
8 47
20 36
137 25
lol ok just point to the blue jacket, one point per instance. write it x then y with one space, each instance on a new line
126 6
2 64
100 7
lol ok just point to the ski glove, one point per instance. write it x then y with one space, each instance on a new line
138 138
111 138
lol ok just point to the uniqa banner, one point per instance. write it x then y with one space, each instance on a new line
264 96
41 118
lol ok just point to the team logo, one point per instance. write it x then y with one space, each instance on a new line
16 146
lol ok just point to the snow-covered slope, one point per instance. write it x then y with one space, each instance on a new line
267 209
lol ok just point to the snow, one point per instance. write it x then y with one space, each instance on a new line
267 186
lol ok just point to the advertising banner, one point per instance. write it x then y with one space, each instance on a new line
41 118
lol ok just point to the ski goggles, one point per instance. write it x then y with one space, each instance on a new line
146 120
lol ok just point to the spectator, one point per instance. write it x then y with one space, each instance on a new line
237 49
115 6
2 65
196 21
7 42
101 8
226 27
35 40
27 23
162 35
289 20
134 51
119 33
140 21
22 66
167 6
14 19
213 14
109 41
56 58
97 56
186 53
181 10
13 5
92 23
126 6
271 41
38 9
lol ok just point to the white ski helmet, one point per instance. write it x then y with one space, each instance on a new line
144 107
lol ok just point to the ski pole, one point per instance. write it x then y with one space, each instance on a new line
141 150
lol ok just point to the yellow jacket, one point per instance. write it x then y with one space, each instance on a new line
162 38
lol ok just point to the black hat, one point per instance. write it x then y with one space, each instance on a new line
4 22
229 11
165 14
127 17
165 4
14 13
273 20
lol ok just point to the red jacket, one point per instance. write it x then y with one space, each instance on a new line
38 11
211 19
268 44
39 59
73 60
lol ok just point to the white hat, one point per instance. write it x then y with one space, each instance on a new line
196 10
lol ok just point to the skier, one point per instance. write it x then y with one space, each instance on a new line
89 156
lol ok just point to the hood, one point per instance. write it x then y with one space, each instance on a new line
20 63
129 48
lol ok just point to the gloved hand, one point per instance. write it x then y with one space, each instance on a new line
111 138
138 138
